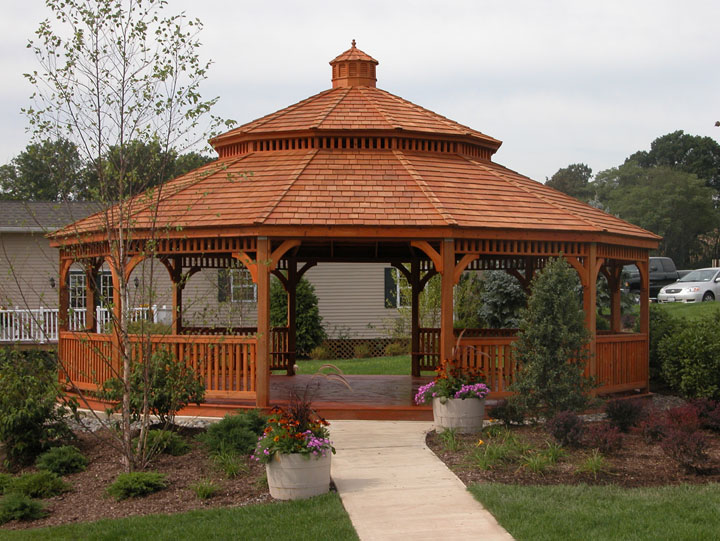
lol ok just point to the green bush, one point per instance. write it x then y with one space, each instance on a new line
503 300
17 506
308 322
143 326
662 324
30 419
552 345
5 481
361 351
43 484
319 353
171 387
62 460
508 413
136 484
395 349
234 433
690 358
166 442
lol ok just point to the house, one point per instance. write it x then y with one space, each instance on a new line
29 278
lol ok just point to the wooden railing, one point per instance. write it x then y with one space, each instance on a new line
621 358
225 364
281 358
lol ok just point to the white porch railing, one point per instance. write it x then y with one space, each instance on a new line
41 325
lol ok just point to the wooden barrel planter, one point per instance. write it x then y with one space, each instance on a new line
296 476
462 414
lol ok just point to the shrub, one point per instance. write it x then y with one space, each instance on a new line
708 412
17 506
395 349
167 442
143 326
30 419
234 433
5 480
508 412
319 353
308 322
606 439
361 351
502 300
62 460
689 449
624 414
653 427
684 418
662 324
43 484
204 489
136 484
567 428
691 358
171 387
551 345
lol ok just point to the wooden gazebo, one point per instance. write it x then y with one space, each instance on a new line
356 174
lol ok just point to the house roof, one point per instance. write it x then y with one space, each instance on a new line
358 156
42 216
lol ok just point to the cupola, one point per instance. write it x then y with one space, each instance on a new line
353 68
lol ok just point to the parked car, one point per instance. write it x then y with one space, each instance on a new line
700 285
662 272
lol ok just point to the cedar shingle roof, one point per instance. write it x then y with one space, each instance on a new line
359 156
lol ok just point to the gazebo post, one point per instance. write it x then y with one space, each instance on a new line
91 295
415 317
292 281
643 267
590 302
614 284
447 336
63 294
177 299
262 361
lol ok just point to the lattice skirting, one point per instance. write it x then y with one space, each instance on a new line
345 348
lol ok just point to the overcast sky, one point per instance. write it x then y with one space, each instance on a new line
558 82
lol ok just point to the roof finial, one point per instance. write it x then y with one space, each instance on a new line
353 43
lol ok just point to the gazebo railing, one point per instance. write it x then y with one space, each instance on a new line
621 359
225 364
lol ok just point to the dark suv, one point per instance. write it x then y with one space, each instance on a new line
662 273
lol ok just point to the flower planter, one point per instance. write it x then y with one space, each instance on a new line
296 476
463 414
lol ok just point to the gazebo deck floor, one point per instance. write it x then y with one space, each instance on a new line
379 397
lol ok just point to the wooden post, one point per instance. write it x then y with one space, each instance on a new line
177 300
589 304
614 285
447 335
92 287
643 267
63 294
116 354
415 317
292 279
262 372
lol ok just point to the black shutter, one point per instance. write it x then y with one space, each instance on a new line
223 285
390 288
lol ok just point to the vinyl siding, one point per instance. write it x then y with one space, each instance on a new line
27 262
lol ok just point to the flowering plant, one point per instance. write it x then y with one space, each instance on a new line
452 382
295 430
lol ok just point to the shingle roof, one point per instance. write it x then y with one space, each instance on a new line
371 159
42 216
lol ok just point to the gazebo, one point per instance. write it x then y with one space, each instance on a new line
356 174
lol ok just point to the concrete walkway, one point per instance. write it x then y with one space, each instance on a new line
394 487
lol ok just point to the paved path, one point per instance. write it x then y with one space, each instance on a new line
394 487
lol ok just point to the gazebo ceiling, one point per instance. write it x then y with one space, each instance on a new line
360 157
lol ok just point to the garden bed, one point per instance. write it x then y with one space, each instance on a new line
87 502
636 464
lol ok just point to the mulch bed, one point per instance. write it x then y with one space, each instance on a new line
87 501
636 464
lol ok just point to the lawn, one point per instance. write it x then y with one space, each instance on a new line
690 311
322 517
399 365
604 512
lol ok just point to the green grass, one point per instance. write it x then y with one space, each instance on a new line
318 518
690 311
544 513
399 365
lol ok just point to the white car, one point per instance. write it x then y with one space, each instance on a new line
700 285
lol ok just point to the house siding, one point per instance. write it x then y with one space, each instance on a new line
27 262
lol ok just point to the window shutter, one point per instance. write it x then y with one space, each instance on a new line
223 285
390 288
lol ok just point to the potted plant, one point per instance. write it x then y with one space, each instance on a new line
458 397
296 450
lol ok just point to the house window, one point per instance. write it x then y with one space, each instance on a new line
106 288
398 293
77 289
242 288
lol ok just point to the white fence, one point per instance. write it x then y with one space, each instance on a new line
41 325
